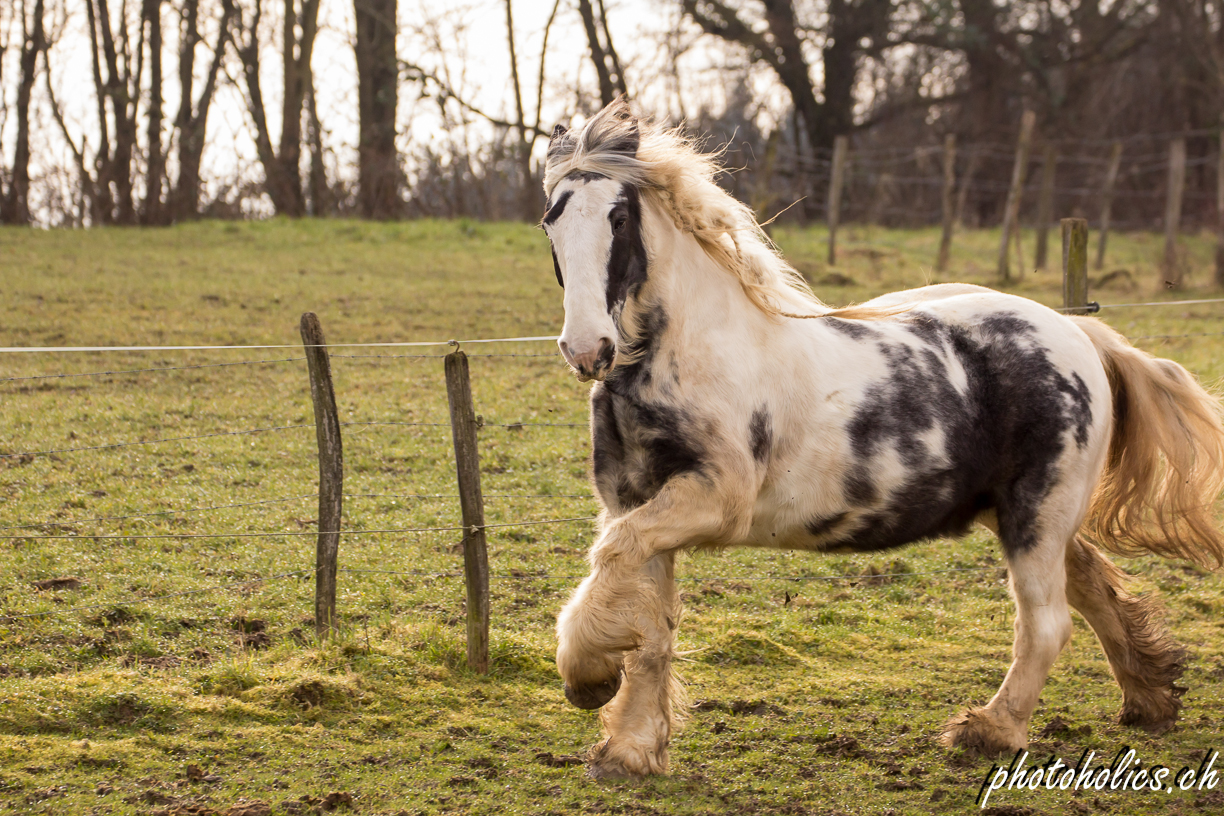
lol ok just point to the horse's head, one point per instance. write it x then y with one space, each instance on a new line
594 223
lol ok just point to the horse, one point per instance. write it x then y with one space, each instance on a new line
732 408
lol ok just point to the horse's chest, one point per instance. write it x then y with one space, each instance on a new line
638 446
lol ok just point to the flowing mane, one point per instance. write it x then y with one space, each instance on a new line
670 170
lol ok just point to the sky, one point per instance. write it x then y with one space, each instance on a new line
464 41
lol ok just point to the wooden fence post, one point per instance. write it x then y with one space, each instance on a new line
1173 205
962 195
331 474
1045 204
1075 265
949 192
1111 179
1219 258
837 178
1011 212
467 466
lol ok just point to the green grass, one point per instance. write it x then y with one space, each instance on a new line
815 696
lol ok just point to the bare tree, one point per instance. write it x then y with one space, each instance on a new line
191 122
378 171
282 171
826 111
15 202
603 54
156 165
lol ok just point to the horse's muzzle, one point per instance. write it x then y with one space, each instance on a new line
594 364
592 697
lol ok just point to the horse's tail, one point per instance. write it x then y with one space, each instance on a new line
1166 457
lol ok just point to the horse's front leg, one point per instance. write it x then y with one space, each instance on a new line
638 721
621 618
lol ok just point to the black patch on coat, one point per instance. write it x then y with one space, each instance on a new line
584 175
760 434
824 526
854 329
627 255
1002 438
637 447
557 208
628 379
557 268
626 143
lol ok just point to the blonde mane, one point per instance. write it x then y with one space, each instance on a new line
669 169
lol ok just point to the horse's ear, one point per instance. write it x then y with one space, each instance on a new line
558 132
627 136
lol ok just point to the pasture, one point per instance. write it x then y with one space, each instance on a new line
819 683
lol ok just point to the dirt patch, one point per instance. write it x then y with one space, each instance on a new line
252 632
755 708
843 747
836 279
546 758
1059 727
313 804
56 584
160 662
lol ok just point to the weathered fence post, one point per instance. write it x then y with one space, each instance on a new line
1111 178
1011 212
331 474
1173 205
1219 257
467 466
1045 204
949 192
837 178
962 196
1075 265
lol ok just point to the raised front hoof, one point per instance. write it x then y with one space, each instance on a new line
592 696
1155 712
614 763
978 731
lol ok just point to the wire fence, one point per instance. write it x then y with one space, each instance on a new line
66 529
902 186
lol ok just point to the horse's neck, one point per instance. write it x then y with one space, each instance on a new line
691 312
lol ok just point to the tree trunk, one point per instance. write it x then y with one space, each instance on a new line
607 92
282 173
378 172
157 161
15 205
192 119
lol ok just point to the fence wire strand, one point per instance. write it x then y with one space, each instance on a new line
147 370
136 599
154 441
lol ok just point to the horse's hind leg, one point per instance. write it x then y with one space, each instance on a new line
638 721
1043 627
1144 658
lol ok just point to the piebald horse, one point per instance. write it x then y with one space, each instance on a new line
732 408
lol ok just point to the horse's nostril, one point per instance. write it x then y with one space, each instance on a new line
607 352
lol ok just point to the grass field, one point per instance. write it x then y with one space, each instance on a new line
818 695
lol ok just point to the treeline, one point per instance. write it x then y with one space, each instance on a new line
787 77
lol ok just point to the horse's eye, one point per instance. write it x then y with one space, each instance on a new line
618 225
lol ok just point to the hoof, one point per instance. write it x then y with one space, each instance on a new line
977 731
621 762
1155 712
592 697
